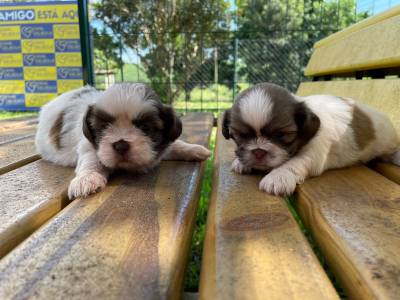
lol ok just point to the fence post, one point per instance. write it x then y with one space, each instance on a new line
86 45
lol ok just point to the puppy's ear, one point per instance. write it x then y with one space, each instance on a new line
307 122
88 130
172 123
226 120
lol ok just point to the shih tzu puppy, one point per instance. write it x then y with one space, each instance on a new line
125 127
294 137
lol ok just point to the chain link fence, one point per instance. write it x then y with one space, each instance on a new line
198 70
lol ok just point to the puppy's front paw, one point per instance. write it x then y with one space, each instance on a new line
197 153
238 167
279 182
86 184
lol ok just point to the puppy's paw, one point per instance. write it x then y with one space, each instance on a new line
238 167
86 184
197 153
279 182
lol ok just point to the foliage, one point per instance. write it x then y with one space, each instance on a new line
167 34
106 56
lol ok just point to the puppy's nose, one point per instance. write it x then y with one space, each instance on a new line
259 153
121 146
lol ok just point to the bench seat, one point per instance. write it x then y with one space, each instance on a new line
129 241
254 248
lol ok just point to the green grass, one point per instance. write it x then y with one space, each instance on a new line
192 277
11 115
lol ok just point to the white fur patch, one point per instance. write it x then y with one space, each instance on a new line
256 108
126 99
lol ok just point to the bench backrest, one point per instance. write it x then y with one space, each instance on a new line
361 62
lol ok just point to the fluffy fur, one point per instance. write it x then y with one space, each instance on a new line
125 127
294 137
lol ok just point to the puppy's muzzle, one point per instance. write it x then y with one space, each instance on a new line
259 153
121 147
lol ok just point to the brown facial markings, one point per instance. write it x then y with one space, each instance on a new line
55 131
95 122
363 129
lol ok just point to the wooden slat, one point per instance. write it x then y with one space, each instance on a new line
8 124
12 135
29 196
16 154
354 216
254 248
383 94
390 171
129 242
373 43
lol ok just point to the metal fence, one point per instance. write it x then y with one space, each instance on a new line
206 69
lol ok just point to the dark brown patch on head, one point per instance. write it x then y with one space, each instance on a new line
95 122
291 125
55 131
363 129
253 222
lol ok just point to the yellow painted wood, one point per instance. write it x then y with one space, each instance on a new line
130 241
16 154
382 94
390 171
254 249
29 196
353 215
373 43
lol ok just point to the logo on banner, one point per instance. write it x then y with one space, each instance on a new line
42 31
41 86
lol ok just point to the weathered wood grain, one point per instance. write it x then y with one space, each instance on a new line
390 171
16 154
353 215
29 196
130 241
254 249
382 94
355 48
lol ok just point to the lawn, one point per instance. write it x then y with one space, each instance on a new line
11 115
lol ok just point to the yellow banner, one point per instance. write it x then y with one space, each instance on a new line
10 33
39 14
11 60
40 73
36 100
66 31
68 59
38 46
12 87
67 85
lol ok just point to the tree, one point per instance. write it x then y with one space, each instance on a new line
168 36
106 56
276 37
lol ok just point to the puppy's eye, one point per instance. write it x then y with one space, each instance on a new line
285 137
143 127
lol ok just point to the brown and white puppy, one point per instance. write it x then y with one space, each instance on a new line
125 127
293 138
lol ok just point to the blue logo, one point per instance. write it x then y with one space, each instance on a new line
69 73
37 31
11 74
17 15
10 46
12 101
39 60
68 45
41 86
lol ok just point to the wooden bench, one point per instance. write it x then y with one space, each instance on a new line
131 241
254 248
